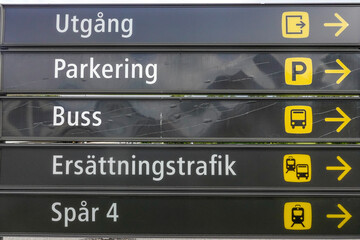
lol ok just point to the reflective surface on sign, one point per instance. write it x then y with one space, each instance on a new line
186 72
173 215
182 25
252 119
211 167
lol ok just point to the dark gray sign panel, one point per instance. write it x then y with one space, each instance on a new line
130 215
181 25
180 167
182 119
180 72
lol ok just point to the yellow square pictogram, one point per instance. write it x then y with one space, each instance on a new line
297 168
295 24
298 71
297 216
298 119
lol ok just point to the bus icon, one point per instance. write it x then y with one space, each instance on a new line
297 168
298 119
302 171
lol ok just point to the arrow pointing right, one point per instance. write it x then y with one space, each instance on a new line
345 168
345 119
346 216
301 24
342 24
345 71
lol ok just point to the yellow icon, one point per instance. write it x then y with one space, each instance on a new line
297 168
297 215
298 71
295 24
298 119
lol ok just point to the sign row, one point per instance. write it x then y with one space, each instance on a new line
180 72
180 167
50 25
179 215
181 119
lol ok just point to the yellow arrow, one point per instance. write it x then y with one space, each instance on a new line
346 216
345 168
345 119
342 24
345 71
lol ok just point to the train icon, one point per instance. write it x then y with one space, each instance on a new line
297 168
301 170
297 215
290 164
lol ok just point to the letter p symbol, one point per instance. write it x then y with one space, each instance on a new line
298 71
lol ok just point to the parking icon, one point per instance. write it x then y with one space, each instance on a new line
298 71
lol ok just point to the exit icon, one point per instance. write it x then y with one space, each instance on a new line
295 25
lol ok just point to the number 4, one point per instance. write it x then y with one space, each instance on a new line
112 213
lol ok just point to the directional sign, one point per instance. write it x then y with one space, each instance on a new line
182 119
141 214
342 24
344 119
180 72
345 215
180 167
181 25
345 168
344 71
